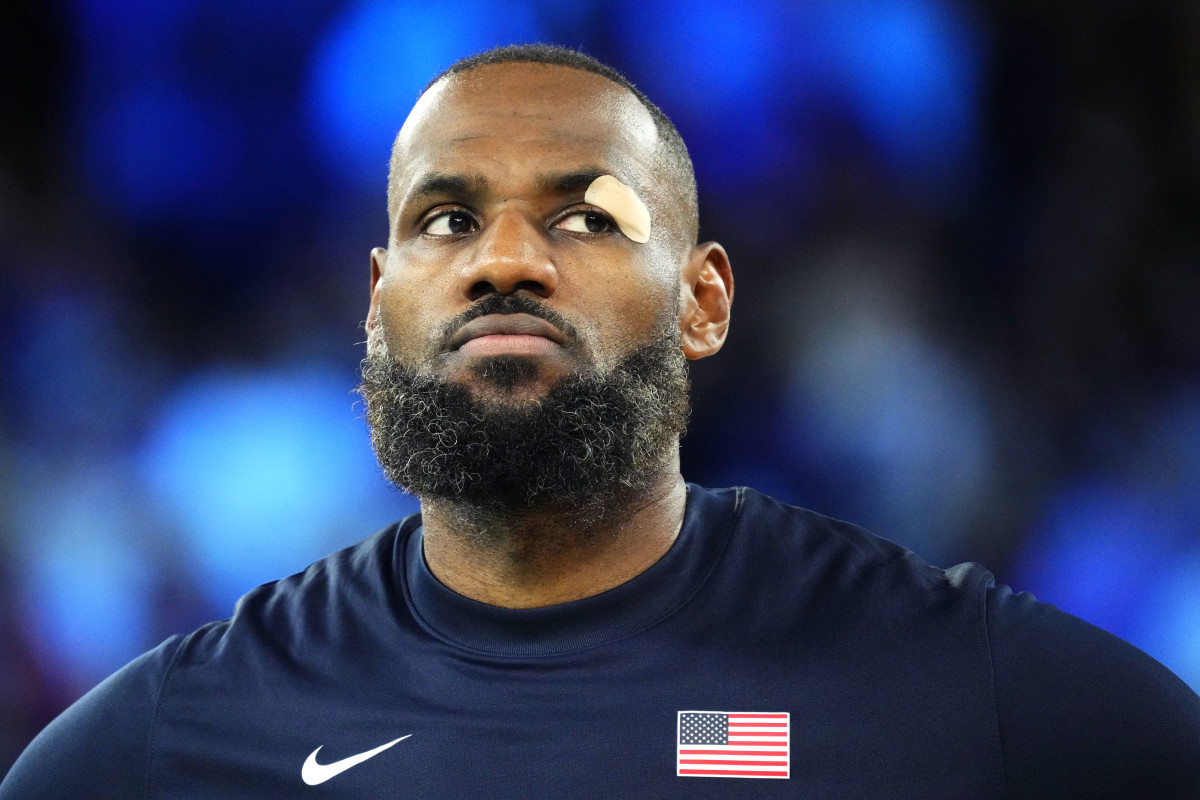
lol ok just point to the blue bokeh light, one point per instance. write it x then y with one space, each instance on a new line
709 66
161 154
697 56
375 59
1101 543
72 345
1120 549
911 71
896 422
264 472
86 576
758 88
1172 621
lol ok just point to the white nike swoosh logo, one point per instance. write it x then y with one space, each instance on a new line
313 773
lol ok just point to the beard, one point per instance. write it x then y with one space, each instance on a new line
597 436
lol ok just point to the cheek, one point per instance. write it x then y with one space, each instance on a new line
376 341
406 319
629 314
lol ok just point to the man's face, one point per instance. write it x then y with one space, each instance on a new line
522 352
491 170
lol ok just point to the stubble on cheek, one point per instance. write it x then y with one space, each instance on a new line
377 346
382 342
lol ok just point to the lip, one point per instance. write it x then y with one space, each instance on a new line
506 325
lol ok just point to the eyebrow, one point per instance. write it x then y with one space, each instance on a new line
474 186
570 182
440 183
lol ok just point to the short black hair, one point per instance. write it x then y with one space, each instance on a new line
672 151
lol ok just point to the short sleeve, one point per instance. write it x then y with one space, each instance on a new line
99 747
1084 714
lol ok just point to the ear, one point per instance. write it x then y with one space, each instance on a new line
378 263
706 294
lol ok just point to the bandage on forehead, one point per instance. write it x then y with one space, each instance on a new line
623 204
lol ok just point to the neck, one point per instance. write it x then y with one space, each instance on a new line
540 557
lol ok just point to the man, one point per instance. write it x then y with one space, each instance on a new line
567 617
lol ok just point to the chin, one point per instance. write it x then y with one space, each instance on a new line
512 376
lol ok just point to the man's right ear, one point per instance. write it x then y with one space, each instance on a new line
378 263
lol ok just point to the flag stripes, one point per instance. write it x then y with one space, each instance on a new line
733 744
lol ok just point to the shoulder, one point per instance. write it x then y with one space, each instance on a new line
1078 711
100 746
846 563
336 598
1083 713
103 746
822 588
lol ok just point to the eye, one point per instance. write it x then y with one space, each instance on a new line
451 222
585 222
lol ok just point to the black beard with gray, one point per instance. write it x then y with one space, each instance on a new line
596 437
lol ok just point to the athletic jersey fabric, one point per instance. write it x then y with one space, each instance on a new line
845 661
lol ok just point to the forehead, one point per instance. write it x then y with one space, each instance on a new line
515 119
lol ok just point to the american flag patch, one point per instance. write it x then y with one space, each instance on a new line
732 744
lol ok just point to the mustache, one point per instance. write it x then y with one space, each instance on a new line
516 303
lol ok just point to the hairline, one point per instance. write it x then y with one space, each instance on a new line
670 150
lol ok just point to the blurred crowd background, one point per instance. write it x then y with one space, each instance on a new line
966 238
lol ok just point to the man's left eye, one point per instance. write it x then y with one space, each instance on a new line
585 222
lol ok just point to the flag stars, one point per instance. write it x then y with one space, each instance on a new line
704 729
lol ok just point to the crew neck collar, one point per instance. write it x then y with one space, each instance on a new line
624 610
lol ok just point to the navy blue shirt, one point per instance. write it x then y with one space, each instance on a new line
772 652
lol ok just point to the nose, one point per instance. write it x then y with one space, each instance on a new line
511 255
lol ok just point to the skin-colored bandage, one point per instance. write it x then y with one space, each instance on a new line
625 207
